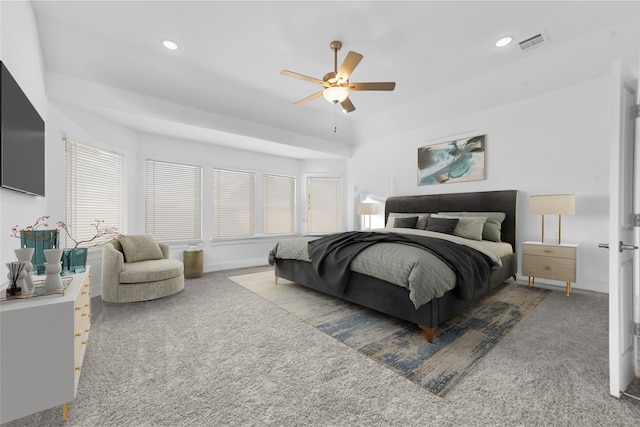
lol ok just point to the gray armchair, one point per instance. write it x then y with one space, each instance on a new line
138 268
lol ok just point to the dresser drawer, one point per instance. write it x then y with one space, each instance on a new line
549 267
551 251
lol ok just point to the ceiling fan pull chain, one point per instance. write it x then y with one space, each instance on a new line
335 118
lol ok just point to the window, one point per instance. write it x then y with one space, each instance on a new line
95 190
324 208
278 209
174 201
232 203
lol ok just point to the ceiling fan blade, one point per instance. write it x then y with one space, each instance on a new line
309 98
347 106
301 77
373 86
349 64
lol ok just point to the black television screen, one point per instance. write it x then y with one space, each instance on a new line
22 139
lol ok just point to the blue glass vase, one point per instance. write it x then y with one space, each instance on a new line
74 260
39 240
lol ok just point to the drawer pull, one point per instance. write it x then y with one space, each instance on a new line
547 251
546 267
78 368
86 285
86 330
90 293
78 308
83 293
84 343
86 305
78 334
83 314
90 314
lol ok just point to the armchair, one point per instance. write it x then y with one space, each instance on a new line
138 268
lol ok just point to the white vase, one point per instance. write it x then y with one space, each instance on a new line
25 255
53 267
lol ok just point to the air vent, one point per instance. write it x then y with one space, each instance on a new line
532 42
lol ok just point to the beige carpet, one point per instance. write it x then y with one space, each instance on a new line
398 345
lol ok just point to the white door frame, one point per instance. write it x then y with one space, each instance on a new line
623 270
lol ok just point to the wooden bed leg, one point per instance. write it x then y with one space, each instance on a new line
429 332
276 279
515 277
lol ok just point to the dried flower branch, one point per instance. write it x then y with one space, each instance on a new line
101 231
40 222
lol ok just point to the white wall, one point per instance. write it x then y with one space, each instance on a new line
553 143
20 52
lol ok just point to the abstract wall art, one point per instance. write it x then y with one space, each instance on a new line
452 161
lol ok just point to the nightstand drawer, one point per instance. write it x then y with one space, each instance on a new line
551 251
548 267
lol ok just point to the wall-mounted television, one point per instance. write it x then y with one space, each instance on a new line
22 139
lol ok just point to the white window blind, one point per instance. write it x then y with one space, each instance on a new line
174 201
232 203
278 210
324 210
95 190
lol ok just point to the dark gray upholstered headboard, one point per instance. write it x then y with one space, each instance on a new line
488 201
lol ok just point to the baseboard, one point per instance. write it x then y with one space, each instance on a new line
235 264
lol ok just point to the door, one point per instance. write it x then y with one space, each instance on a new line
623 253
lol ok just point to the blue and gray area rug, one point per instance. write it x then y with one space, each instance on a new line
398 345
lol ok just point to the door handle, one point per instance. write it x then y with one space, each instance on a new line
621 247
624 247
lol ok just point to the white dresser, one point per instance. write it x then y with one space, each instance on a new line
42 345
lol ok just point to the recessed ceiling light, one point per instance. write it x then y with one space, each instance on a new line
503 41
170 45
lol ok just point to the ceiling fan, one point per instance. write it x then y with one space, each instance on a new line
336 83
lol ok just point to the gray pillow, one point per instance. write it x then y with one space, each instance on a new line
408 222
469 227
492 229
140 247
442 225
421 224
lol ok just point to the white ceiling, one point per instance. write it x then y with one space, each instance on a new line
223 84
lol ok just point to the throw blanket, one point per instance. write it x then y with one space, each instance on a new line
331 257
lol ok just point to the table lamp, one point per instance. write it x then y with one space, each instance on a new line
553 204
367 209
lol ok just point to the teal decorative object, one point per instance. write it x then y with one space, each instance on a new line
74 260
39 240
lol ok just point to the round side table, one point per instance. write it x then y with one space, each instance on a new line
192 264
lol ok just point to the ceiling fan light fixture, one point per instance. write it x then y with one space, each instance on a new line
335 94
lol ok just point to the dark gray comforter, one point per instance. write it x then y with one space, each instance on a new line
332 255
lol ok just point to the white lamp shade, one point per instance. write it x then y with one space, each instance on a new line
335 94
553 204
367 208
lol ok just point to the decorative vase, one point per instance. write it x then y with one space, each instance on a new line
53 282
25 255
74 260
39 240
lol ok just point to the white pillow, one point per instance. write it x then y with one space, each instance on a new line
469 227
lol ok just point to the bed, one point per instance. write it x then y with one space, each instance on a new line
380 290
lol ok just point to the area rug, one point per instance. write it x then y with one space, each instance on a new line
459 343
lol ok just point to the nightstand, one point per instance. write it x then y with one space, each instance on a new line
549 261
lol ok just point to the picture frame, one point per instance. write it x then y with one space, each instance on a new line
452 161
